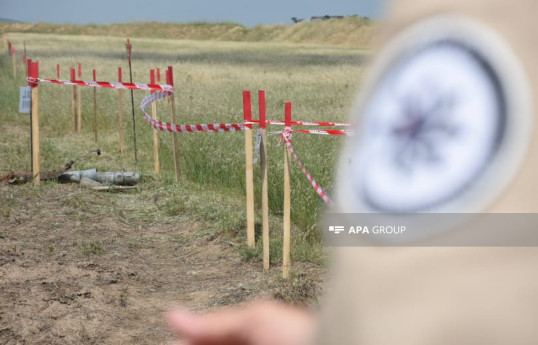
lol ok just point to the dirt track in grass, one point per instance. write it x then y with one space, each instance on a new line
72 273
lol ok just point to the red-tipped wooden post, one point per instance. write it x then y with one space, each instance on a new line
170 81
120 112
287 200
33 74
94 106
155 135
265 195
74 99
249 172
79 100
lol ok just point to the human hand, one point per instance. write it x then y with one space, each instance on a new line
258 323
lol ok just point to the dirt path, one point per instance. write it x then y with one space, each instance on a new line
73 275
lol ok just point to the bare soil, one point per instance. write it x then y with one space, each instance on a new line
78 267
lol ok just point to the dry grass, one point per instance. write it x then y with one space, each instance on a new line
352 31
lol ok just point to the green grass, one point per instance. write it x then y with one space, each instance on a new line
209 76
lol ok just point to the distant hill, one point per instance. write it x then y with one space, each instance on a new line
7 20
351 31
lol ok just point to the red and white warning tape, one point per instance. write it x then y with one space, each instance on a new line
286 135
305 123
106 84
170 127
338 132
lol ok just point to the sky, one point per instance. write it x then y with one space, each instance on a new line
245 12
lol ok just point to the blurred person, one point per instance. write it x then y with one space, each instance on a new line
483 160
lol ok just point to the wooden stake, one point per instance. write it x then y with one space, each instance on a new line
35 136
58 86
249 172
74 100
170 81
265 196
155 136
120 112
94 107
79 101
287 202
33 69
129 48
24 64
14 61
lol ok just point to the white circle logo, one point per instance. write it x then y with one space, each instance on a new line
444 124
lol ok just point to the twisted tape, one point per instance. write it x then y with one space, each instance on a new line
338 132
286 137
305 123
106 84
170 127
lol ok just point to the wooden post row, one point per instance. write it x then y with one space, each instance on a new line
287 200
33 74
170 81
120 112
249 173
155 136
79 100
265 196
74 99
94 106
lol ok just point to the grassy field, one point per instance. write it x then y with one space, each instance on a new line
351 31
210 76
101 268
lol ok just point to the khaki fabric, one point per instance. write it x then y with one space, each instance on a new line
447 295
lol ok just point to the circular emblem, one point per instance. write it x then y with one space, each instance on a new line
443 124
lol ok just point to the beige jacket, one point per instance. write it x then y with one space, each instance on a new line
447 295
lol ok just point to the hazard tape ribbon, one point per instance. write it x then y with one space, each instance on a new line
338 132
106 84
305 123
164 126
170 127
286 136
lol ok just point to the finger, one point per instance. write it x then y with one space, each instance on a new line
222 327
183 323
